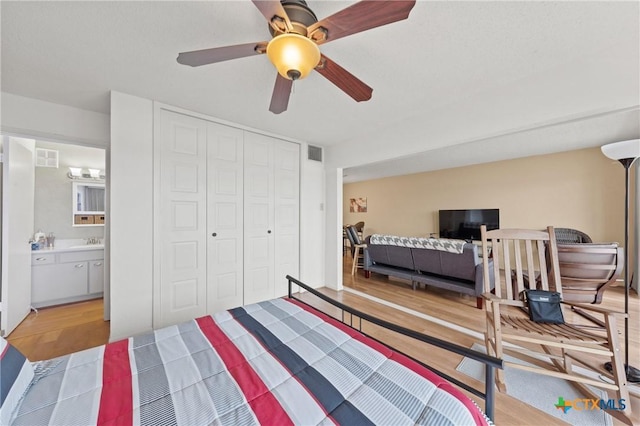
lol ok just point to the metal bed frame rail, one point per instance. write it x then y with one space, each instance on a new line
490 362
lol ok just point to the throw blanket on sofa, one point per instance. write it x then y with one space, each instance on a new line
442 244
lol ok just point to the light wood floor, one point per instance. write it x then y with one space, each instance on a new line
461 311
61 330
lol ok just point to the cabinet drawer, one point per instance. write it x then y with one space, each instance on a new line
81 256
42 259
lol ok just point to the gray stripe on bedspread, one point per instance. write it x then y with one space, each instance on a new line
229 402
408 397
156 405
38 404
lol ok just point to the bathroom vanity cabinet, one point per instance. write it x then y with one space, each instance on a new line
66 275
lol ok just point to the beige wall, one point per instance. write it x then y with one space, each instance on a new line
577 189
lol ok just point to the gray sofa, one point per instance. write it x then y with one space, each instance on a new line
452 271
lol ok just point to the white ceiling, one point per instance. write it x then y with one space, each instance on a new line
455 74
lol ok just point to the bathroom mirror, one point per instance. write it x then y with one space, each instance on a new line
88 200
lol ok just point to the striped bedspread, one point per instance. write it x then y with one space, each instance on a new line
274 363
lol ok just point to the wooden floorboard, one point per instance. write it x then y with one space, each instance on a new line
61 330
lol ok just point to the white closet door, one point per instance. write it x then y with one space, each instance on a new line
287 216
181 220
224 217
258 218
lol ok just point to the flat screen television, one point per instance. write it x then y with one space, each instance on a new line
465 224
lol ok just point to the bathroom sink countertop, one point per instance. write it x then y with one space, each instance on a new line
70 248
65 245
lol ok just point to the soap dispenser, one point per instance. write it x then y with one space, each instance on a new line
50 239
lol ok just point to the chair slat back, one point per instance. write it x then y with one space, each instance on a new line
519 257
588 269
354 238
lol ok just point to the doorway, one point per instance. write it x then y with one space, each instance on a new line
55 217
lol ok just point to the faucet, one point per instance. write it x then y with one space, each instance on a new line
93 240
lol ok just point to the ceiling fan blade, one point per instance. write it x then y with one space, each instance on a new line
342 78
271 8
281 94
359 17
218 54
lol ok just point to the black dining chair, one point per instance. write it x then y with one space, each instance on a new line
358 247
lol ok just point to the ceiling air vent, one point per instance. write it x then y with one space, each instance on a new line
314 153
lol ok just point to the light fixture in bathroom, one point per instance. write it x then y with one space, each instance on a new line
74 172
79 173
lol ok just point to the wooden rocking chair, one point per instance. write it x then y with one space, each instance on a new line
549 349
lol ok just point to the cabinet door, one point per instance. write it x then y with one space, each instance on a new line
258 218
224 217
181 218
58 281
96 276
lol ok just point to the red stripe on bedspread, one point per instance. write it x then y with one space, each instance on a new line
263 403
400 359
116 401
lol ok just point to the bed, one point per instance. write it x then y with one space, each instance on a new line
275 362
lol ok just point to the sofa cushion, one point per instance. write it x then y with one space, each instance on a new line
400 257
389 255
427 261
462 266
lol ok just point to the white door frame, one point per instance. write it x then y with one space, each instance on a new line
44 136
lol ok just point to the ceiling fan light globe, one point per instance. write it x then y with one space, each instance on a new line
293 55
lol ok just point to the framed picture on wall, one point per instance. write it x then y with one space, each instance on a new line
358 205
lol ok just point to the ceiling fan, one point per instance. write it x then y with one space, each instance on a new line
297 33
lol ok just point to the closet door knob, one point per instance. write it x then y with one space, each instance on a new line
269 231
214 234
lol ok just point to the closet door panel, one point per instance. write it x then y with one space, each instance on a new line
258 218
287 214
182 218
225 231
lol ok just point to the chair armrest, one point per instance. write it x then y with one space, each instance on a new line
491 297
367 259
598 309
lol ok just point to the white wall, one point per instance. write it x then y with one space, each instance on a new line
312 218
333 235
130 218
48 121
